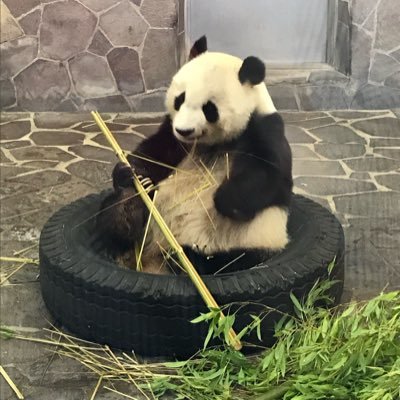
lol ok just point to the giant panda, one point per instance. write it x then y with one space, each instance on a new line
221 166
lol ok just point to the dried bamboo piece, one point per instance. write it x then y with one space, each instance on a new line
7 378
191 271
19 260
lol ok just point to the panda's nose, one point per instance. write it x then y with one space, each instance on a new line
184 132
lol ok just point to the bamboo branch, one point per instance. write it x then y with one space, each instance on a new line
19 260
7 378
191 271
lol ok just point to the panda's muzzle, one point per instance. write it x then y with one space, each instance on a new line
184 132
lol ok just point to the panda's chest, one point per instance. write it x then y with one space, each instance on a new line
193 184
186 201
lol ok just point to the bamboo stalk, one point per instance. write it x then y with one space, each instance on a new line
97 387
17 253
19 260
120 393
191 271
7 378
146 231
7 277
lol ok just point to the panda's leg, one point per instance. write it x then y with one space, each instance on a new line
123 218
153 261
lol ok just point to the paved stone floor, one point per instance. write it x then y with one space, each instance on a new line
349 161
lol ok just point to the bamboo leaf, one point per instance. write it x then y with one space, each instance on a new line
208 338
296 302
175 364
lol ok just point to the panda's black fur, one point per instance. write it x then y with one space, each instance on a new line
260 175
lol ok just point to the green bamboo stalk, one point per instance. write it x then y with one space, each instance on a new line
191 271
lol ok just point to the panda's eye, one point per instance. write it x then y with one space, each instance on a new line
179 100
210 111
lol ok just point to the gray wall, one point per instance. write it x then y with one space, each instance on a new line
257 27
113 55
376 53
363 54
119 55
372 80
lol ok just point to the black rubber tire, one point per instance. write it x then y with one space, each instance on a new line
94 298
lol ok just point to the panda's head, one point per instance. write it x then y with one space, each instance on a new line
212 97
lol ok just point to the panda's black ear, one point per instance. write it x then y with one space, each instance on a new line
252 71
199 46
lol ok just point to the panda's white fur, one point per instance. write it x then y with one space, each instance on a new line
214 76
185 199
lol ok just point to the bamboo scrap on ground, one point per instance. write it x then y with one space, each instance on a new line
15 264
19 260
100 360
189 268
97 387
7 378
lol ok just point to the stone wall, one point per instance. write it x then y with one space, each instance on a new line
372 78
113 55
119 55
376 53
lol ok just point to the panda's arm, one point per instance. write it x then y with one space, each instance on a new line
261 171
154 158
122 213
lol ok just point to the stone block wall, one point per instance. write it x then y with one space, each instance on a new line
376 53
365 75
119 55
112 55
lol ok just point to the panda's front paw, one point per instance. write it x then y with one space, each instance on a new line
122 176
232 205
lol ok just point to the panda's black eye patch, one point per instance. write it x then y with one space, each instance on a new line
179 100
210 111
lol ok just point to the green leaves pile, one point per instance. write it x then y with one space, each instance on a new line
351 352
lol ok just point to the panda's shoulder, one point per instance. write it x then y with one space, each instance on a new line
265 128
266 122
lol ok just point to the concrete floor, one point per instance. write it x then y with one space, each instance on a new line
349 161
